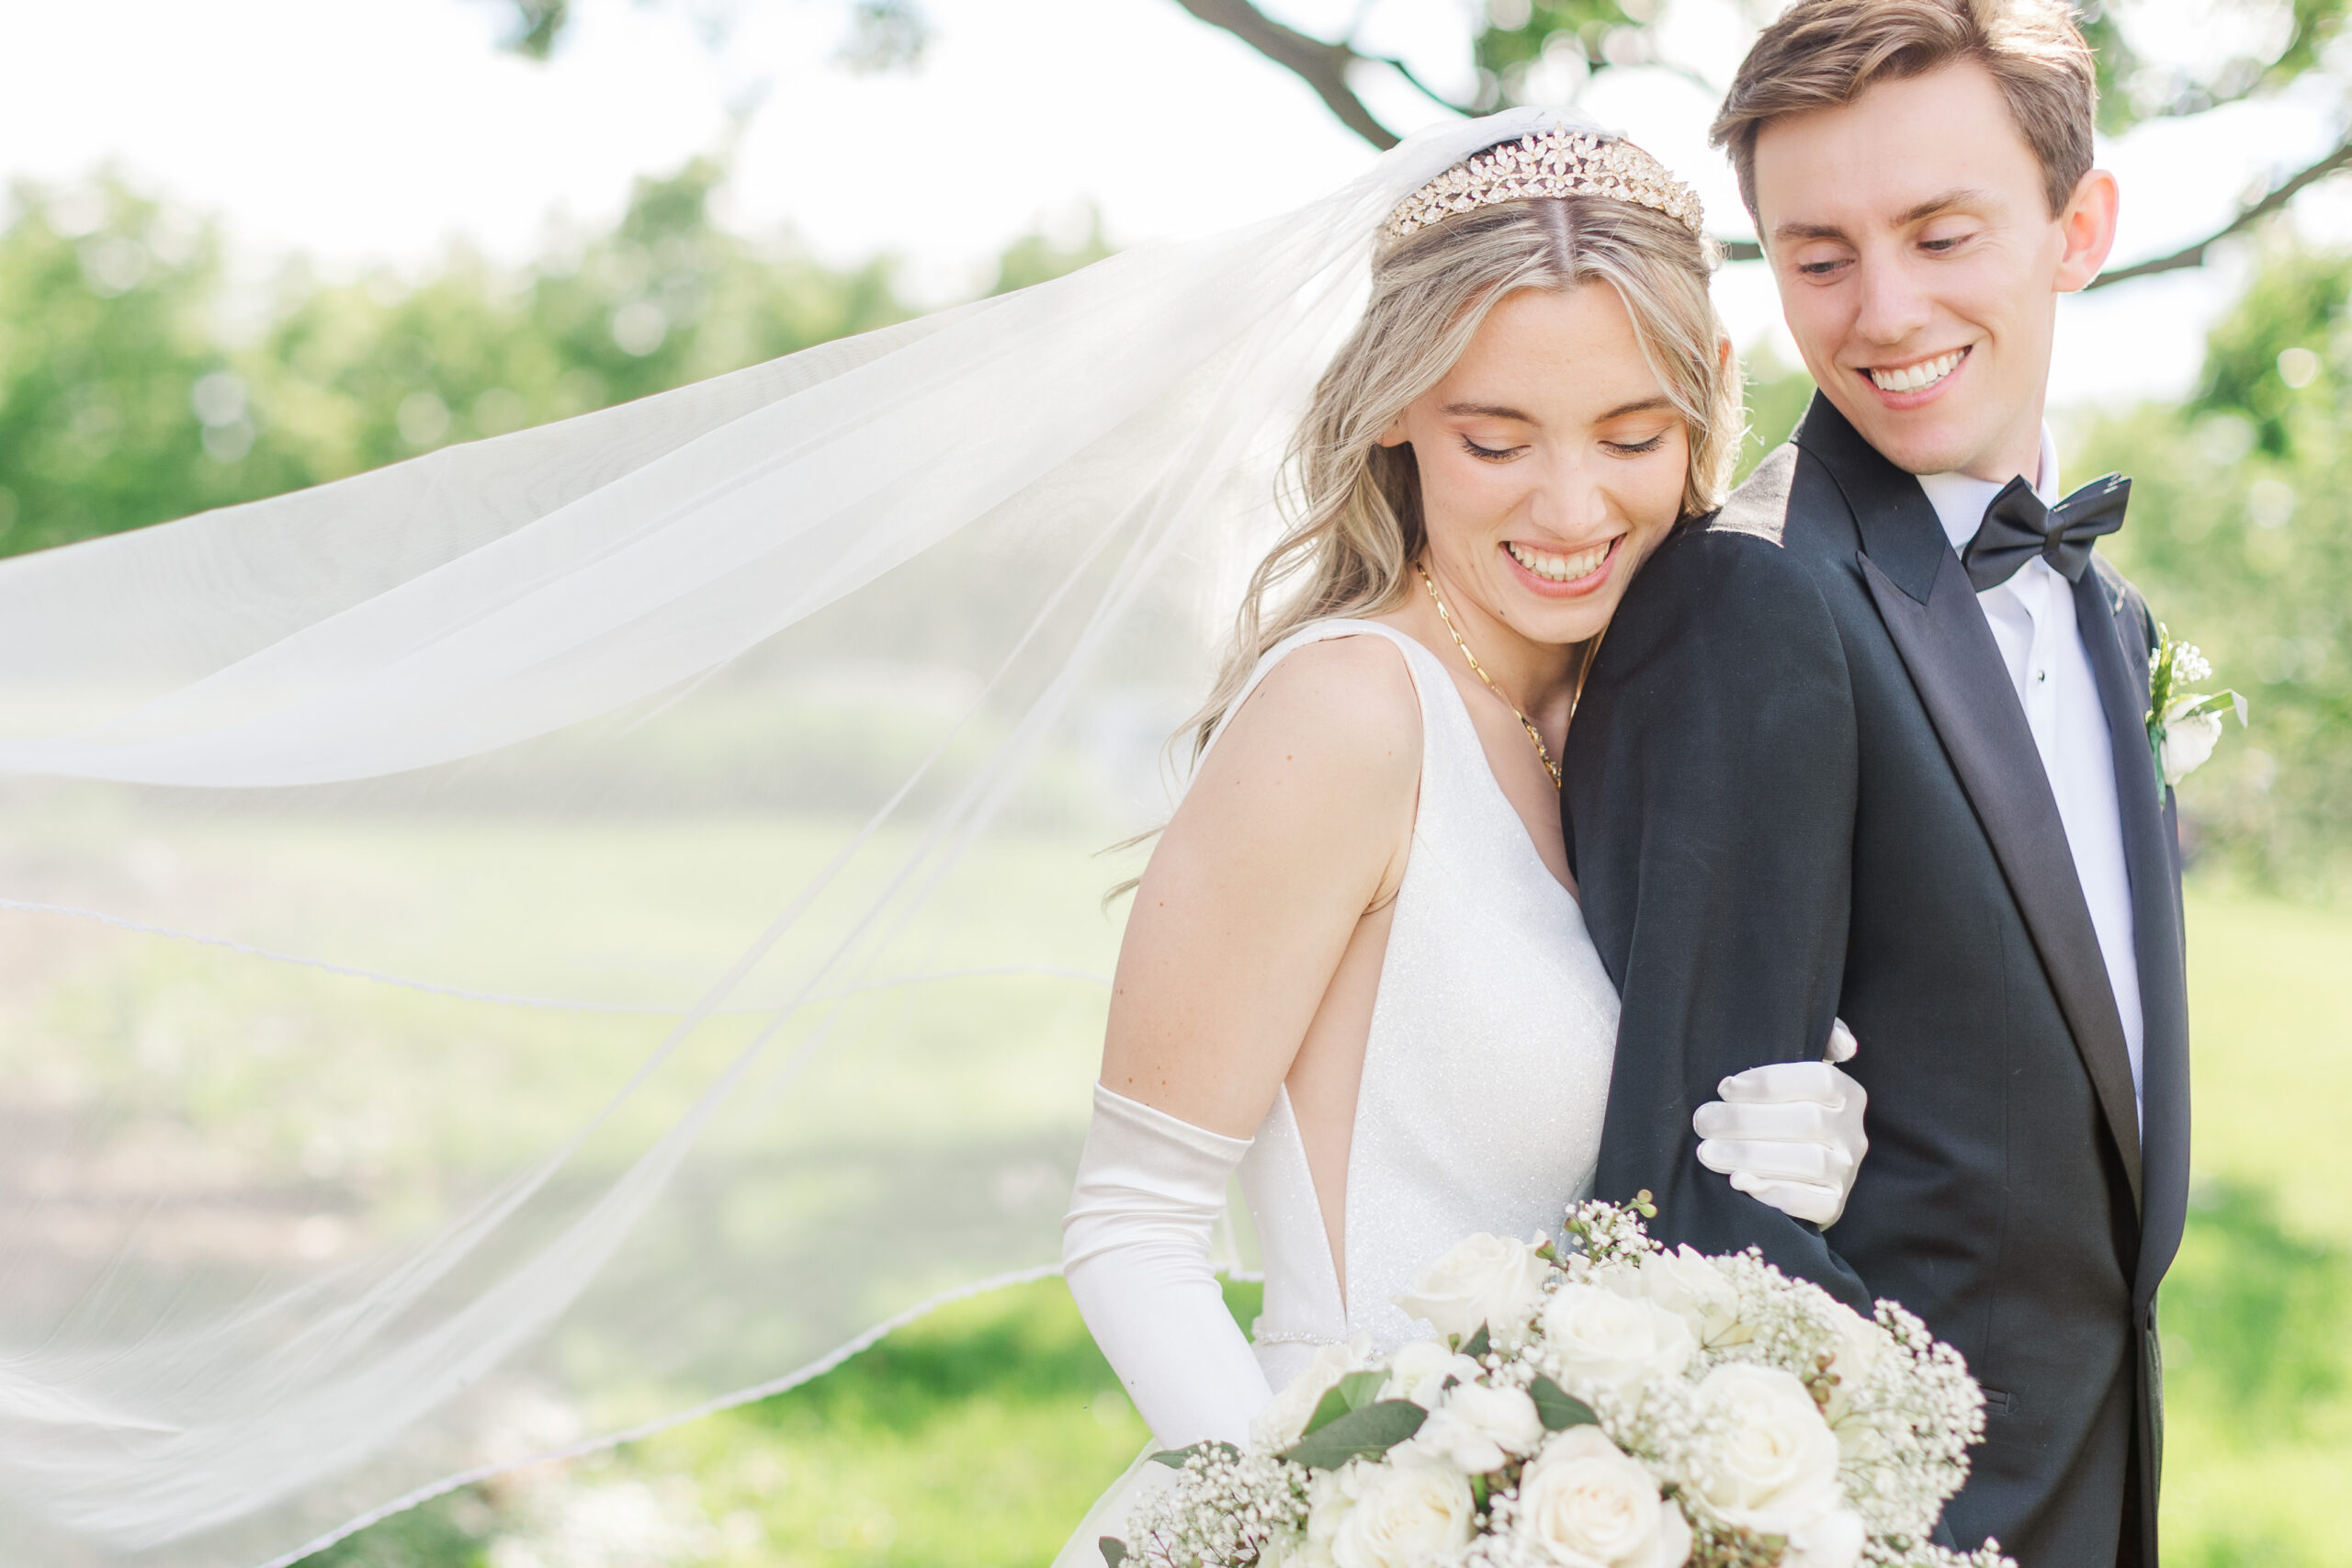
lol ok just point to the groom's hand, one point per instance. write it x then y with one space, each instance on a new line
1789 1135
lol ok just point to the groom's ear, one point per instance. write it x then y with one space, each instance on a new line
2088 224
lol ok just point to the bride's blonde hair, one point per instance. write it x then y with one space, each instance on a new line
1356 506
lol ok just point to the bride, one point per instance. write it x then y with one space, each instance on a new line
1355 975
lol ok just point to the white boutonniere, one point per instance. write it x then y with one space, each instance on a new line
2184 726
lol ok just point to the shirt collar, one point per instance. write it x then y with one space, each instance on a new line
1959 501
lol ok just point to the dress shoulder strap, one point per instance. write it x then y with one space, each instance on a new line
1417 664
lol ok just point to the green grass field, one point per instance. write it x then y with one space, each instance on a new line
977 1438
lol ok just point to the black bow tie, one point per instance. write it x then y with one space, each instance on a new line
2018 528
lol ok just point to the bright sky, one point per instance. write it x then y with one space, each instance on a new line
370 129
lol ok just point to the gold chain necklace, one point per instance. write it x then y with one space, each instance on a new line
1525 722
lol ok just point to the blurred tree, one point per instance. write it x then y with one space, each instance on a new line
2241 534
124 399
110 382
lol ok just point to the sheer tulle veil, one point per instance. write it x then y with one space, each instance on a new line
514 949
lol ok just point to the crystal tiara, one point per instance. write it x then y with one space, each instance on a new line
1548 163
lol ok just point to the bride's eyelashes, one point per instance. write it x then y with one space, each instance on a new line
1636 449
1490 453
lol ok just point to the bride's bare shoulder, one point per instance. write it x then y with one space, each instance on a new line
1339 713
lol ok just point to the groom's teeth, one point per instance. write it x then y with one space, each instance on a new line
1913 377
1558 567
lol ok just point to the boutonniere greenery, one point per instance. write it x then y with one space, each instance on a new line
2184 726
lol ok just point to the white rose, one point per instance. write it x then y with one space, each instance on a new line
2188 742
1418 1371
1479 1429
1601 1340
1833 1540
1330 1494
1774 1466
1694 1290
1582 1504
1407 1515
1486 1279
1283 1421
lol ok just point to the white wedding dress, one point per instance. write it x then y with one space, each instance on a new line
1485 1074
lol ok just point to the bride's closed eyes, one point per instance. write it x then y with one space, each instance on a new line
1490 453
1616 448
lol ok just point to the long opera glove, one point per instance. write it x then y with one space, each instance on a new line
1135 1252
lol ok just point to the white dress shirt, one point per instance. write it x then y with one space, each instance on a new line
2032 617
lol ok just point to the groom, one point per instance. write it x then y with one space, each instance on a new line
1871 743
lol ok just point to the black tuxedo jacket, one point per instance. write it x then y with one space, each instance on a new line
1800 785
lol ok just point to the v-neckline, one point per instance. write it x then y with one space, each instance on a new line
1486 763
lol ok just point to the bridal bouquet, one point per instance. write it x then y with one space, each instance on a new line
1617 1405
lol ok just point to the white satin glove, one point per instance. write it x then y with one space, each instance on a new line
1135 1252
1789 1133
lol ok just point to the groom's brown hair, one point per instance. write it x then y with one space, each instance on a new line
1821 53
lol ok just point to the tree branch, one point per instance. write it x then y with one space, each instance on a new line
1431 94
2253 212
1322 66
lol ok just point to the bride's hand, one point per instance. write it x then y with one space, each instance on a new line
1789 1133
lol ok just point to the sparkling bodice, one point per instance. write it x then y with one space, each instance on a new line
1486 1071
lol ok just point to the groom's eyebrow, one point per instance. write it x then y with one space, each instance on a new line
1944 202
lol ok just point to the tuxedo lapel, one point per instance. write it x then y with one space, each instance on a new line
2116 641
1931 611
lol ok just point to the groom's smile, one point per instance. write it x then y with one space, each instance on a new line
1913 384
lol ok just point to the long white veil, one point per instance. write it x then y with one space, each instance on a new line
514 948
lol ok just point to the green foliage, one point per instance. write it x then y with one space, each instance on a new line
1557 1408
534 25
1350 1393
1357 1432
2286 41
128 394
106 307
1520 34
2241 536
2293 308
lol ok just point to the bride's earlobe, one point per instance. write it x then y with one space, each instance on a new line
1395 434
